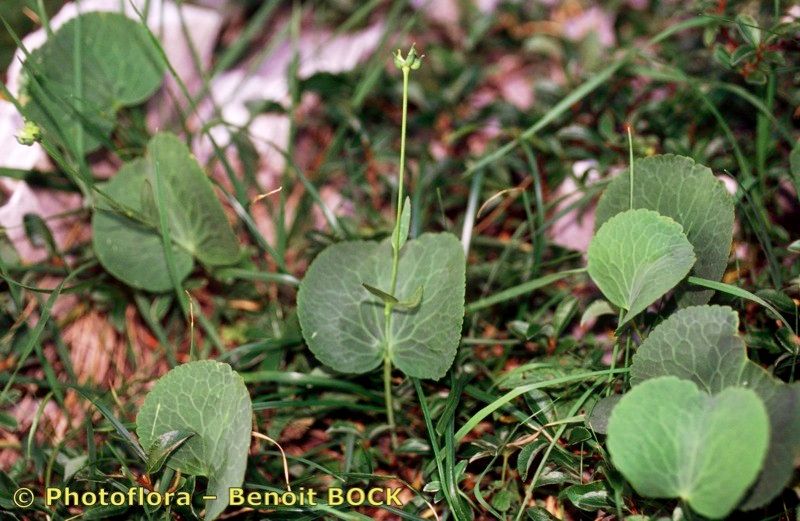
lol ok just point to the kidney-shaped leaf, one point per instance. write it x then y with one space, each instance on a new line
343 322
210 400
689 193
672 440
93 65
636 257
131 248
702 344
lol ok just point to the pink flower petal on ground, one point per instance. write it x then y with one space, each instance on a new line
333 200
487 6
792 14
22 200
593 20
202 28
169 27
518 90
730 183
515 82
448 12
319 51
166 20
445 12
574 230
15 155
478 141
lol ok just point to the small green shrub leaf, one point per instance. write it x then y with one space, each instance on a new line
595 310
688 193
636 257
539 514
749 28
209 399
93 65
794 167
672 440
411 302
382 295
527 454
344 324
597 420
399 240
591 496
130 246
163 447
702 344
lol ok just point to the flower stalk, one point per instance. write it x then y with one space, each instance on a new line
411 61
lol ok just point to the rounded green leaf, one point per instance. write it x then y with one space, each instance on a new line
783 406
636 257
688 193
210 400
671 440
698 343
131 250
702 344
344 324
131 247
93 65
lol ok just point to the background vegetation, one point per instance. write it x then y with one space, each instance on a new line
517 121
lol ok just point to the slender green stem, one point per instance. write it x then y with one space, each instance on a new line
614 353
763 133
630 161
387 310
387 391
396 236
628 351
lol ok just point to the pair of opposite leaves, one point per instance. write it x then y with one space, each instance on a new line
343 320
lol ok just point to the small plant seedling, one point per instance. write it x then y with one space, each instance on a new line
694 390
396 302
197 420
127 224
96 63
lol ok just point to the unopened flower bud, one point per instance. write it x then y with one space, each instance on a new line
411 61
30 134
